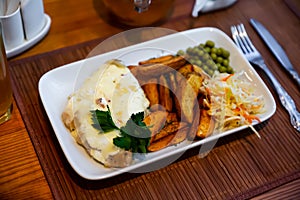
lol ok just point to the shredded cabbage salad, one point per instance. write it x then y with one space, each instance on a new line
232 100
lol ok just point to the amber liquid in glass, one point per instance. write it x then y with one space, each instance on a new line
5 87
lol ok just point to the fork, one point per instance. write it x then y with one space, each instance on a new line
243 41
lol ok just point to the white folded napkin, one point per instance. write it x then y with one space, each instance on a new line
210 5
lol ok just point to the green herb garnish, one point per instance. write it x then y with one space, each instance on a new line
102 121
135 135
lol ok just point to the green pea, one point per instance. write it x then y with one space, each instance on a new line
201 53
214 50
206 57
205 67
214 67
192 61
225 53
219 60
201 46
180 53
210 43
210 63
225 63
195 50
210 72
207 49
219 52
222 69
213 56
230 70
198 63
189 50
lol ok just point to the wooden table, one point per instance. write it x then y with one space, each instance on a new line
74 22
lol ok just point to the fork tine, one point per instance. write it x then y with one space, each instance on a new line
246 38
241 31
234 35
237 39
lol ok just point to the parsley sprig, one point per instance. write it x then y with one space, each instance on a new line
134 136
103 121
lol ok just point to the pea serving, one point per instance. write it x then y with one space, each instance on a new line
209 57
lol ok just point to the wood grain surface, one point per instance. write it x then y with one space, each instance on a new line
25 173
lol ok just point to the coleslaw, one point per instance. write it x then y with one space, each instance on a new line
232 101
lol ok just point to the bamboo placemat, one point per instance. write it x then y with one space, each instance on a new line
240 165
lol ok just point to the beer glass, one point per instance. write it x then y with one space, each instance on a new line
5 85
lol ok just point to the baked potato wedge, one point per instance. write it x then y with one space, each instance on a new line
172 81
169 140
171 117
168 129
162 143
186 69
188 101
195 81
165 98
160 59
206 125
155 121
201 72
151 91
180 136
145 72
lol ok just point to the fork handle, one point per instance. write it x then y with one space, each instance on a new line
285 99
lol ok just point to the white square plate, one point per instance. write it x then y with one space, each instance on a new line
56 85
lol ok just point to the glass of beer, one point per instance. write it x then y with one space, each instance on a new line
5 85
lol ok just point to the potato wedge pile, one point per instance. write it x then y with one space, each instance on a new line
173 87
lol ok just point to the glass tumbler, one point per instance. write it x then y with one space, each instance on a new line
6 96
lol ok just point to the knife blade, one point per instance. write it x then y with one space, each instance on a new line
276 49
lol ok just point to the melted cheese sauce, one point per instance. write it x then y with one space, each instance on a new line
111 85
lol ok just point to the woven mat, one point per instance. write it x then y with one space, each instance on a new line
294 5
240 165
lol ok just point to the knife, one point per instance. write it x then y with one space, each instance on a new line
276 49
